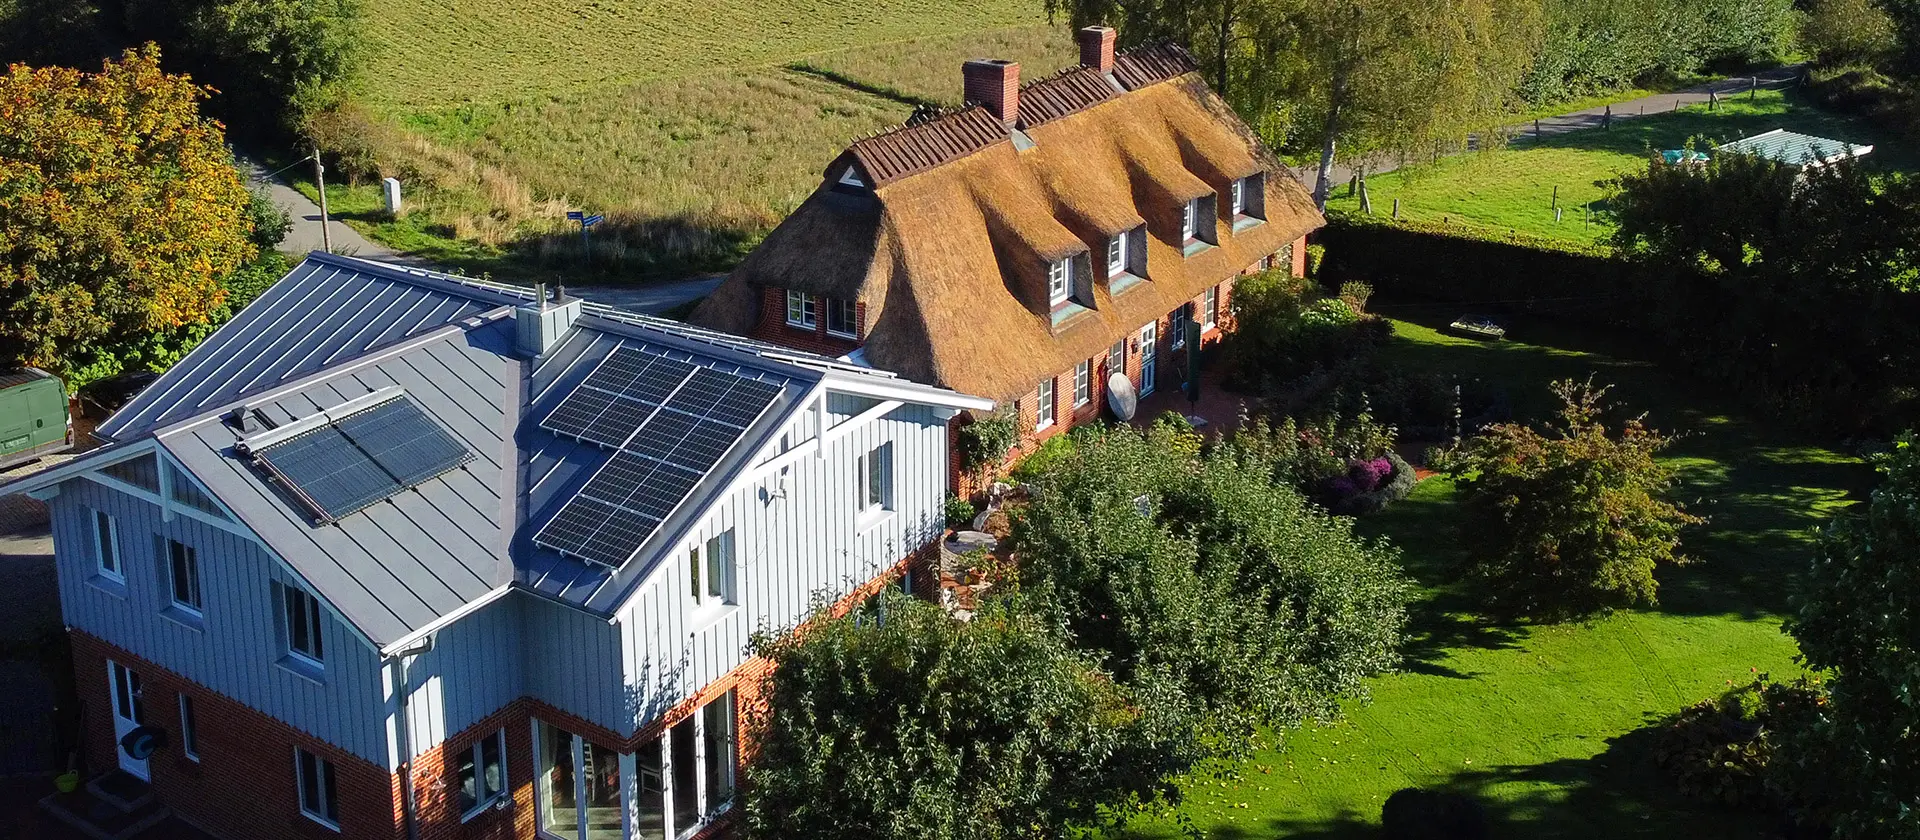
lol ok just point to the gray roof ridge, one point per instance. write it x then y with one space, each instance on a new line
357 363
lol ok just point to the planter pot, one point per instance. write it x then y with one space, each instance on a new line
67 782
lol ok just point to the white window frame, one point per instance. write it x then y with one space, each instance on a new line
1121 358
482 799
1210 309
315 655
1117 254
107 557
872 500
716 559
1083 383
1043 406
197 606
853 317
1059 281
189 729
327 787
806 310
1190 221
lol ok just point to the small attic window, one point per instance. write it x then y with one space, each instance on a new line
851 178
1059 281
1248 197
1197 230
1126 258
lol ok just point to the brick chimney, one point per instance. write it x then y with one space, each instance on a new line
995 84
1096 47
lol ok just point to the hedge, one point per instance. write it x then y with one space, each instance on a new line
1484 271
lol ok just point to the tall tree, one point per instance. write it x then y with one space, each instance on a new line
1858 616
1368 75
120 209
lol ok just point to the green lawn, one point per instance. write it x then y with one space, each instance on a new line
1548 725
1513 188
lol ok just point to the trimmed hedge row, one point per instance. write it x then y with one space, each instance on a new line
1484 271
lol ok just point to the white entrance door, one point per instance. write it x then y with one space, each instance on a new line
128 713
1149 336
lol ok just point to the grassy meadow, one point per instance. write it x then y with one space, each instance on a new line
1512 188
694 129
1549 726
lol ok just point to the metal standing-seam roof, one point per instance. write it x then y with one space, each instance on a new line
337 330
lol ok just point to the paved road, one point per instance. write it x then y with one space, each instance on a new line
305 235
1659 103
29 610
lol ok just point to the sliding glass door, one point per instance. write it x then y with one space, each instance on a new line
667 788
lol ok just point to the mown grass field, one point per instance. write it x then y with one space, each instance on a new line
427 56
1512 188
692 152
1549 726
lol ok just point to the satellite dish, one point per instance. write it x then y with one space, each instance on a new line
141 742
1120 397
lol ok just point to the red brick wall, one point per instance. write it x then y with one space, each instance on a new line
243 786
773 327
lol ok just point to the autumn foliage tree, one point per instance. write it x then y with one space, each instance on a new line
120 210
1570 521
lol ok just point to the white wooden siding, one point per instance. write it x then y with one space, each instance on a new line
472 671
793 552
237 651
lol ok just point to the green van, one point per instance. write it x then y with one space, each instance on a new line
33 416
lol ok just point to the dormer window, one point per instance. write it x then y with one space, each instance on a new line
800 310
1190 222
1059 281
1249 200
1117 255
1197 229
843 318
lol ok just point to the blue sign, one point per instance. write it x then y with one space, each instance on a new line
575 215
590 221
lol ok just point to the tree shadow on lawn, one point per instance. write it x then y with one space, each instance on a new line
1764 489
1620 792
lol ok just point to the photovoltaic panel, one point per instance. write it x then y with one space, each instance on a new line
617 397
617 422
657 381
405 442
703 446
744 402
578 411
664 433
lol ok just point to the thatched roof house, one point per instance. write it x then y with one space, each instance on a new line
1018 239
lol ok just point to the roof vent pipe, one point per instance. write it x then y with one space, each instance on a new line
1096 47
994 83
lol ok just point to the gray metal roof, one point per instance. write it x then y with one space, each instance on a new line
327 310
1794 149
338 328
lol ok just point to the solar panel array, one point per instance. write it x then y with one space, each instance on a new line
670 423
344 466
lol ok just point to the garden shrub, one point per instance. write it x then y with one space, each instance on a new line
1283 330
959 512
985 442
1573 521
1721 749
1415 814
1042 458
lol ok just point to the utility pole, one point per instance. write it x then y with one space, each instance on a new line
320 178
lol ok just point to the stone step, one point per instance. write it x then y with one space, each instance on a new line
121 789
100 819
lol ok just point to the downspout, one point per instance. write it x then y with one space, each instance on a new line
403 741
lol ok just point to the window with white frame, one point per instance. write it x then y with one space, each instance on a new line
1190 221
1246 196
1117 254
1238 197
577 788
1043 409
183 576
711 569
300 620
800 310
1210 310
482 773
1177 325
1059 281
106 547
720 754
319 799
1083 383
842 317
189 730
875 469
1117 358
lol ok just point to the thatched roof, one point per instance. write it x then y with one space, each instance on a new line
949 250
